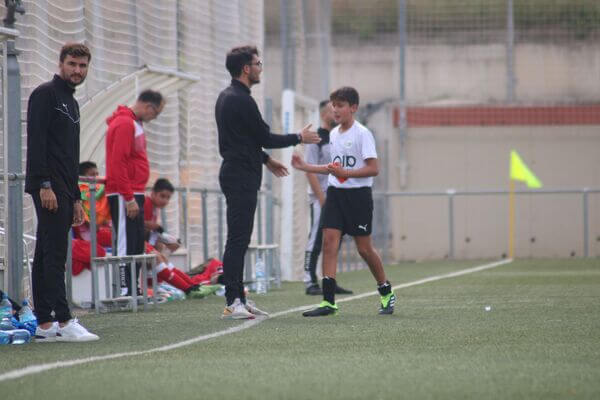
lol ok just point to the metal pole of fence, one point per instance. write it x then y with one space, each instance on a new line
184 210
220 225
386 204
95 297
69 270
204 224
269 232
259 218
586 228
133 280
12 165
510 52
451 193
145 283
93 241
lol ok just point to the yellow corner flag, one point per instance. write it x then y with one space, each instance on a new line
520 172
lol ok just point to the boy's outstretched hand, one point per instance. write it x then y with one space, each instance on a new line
308 136
297 161
277 168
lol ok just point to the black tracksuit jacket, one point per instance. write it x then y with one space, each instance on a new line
53 139
242 136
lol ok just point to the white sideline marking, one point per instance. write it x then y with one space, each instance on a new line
36 369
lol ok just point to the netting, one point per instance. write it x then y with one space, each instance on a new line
123 36
449 88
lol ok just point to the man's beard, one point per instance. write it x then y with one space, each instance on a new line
73 84
254 80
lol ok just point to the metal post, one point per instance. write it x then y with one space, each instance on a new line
93 242
269 231
133 280
259 219
184 210
145 283
403 130
510 53
154 283
220 225
451 193
386 201
69 270
13 162
204 224
324 10
95 297
287 46
586 227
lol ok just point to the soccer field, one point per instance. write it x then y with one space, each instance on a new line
540 339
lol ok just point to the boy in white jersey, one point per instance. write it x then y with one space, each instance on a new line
348 206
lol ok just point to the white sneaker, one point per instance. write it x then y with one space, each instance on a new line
237 310
251 307
46 335
74 332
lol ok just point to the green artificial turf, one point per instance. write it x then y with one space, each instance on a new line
539 340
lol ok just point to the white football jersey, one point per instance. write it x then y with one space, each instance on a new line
351 148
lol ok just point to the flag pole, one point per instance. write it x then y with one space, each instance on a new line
511 220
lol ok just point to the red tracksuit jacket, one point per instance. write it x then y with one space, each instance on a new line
127 167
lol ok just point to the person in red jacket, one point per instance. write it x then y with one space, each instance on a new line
127 172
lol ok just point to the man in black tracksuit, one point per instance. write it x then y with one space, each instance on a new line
52 182
242 136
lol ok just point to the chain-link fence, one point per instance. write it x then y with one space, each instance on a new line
124 35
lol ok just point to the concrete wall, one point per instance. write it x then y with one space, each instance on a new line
455 74
477 158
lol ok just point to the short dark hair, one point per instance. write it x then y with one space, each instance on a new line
151 96
163 184
345 93
75 50
85 166
323 104
238 57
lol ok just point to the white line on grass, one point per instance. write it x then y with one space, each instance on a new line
36 369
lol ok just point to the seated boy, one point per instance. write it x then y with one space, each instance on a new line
163 244
348 206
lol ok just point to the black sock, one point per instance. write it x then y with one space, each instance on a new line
329 289
385 288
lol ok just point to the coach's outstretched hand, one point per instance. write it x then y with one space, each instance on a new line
298 161
308 136
277 168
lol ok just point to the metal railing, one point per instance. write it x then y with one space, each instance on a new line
451 194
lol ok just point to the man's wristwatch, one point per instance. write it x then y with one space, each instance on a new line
299 138
46 185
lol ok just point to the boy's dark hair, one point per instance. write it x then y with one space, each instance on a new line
163 184
75 50
238 57
345 93
85 166
151 96
323 104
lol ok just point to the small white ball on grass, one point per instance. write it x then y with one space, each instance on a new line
488 308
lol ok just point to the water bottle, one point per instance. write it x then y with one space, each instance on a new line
5 337
27 318
5 314
20 336
261 276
